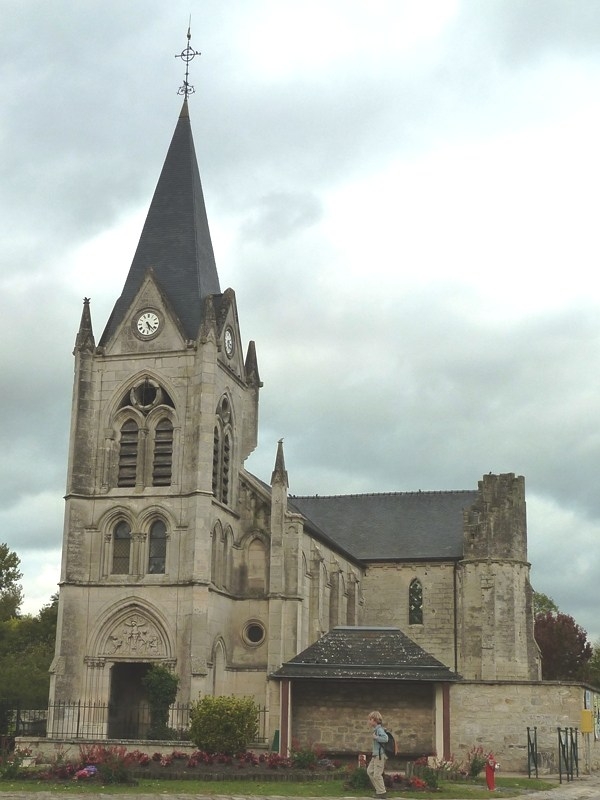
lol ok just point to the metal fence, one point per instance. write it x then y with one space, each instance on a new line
77 719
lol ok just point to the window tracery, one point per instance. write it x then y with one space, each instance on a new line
146 444
415 602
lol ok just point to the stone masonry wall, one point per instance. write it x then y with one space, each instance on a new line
333 716
497 715
386 588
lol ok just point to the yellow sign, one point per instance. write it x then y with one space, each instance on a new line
587 721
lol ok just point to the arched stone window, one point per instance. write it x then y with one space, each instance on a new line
128 452
415 602
121 553
216 460
257 566
162 465
157 548
219 669
351 603
146 437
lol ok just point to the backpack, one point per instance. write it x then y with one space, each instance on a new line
390 748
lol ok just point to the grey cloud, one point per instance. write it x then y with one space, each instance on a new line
280 215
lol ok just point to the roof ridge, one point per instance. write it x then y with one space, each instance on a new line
382 494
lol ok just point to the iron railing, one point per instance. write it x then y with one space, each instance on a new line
89 719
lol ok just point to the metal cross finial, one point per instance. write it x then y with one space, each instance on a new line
187 55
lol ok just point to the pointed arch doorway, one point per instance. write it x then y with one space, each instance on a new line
128 709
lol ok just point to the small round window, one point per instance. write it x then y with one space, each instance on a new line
254 633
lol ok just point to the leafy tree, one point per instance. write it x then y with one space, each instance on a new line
26 652
564 646
592 670
224 724
11 594
542 604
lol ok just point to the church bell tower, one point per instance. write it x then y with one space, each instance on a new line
164 414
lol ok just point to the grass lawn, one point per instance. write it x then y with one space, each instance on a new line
452 790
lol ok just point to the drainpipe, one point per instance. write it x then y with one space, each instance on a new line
455 586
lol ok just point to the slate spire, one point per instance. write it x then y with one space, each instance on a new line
175 241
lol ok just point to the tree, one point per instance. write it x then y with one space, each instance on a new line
11 594
592 670
564 646
542 604
26 652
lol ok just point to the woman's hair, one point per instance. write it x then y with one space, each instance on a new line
376 716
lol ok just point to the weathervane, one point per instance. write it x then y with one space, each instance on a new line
187 55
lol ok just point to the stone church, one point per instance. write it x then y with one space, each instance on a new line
320 608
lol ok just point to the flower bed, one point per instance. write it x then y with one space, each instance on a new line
102 764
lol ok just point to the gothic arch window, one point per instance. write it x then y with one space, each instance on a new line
351 602
219 669
217 555
415 602
222 557
216 460
162 465
334 599
227 556
222 452
128 453
157 548
145 413
121 551
257 566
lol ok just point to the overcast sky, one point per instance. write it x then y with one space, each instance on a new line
404 196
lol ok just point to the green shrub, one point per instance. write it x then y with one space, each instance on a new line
161 686
10 765
358 780
304 758
223 724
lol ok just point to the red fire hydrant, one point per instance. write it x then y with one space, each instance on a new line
490 772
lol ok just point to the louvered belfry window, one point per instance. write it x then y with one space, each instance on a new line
128 451
216 461
163 453
222 452
225 467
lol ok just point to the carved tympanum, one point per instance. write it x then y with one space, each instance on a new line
134 636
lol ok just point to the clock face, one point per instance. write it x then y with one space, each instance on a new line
148 324
229 342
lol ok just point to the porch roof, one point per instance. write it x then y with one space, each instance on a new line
353 652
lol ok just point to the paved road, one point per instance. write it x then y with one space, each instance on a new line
586 787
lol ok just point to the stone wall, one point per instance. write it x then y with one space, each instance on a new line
333 716
386 588
496 716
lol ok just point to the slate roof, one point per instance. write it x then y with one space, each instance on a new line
396 526
175 241
360 653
